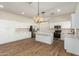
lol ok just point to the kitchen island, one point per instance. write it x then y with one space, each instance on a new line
45 37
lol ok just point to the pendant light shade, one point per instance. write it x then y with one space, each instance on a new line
38 19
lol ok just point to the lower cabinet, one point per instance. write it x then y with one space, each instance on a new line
6 38
44 37
71 44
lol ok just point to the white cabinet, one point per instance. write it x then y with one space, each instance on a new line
44 37
10 37
75 20
71 44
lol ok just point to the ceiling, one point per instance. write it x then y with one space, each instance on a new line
30 8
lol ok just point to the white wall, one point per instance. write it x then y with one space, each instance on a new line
8 24
13 17
63 20
60 18
44 27
64 24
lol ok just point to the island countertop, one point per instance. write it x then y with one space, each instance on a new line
44 33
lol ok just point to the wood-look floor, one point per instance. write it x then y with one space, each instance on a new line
30 47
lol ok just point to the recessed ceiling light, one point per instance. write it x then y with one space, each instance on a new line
1 6
23 13
58 10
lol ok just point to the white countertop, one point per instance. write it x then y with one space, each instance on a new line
44 33
72 36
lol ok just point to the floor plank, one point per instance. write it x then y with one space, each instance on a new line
30 47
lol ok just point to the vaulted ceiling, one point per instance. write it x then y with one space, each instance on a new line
29 9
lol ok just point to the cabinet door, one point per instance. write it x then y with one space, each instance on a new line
72 45
44 38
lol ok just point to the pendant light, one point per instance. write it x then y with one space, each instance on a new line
38 18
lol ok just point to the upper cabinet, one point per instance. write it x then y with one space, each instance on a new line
75 17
